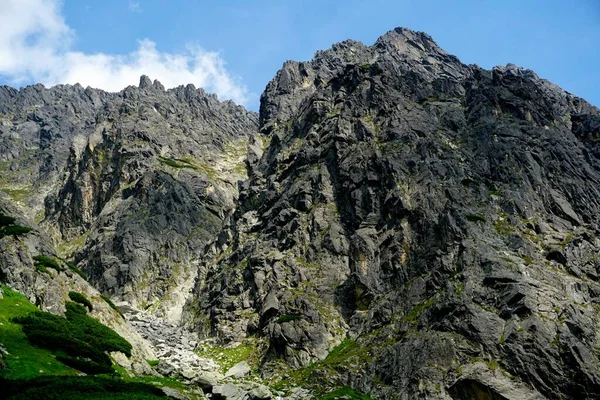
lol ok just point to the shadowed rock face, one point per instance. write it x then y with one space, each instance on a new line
442 216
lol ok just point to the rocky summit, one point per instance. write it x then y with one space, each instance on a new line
392 224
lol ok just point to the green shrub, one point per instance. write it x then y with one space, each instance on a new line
8 227
6 220
14 230
288 317
43 262
81 341
109 302
79 272
81 299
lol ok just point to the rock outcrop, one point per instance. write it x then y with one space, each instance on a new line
437 222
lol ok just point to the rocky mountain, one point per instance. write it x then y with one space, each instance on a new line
392 222
131 185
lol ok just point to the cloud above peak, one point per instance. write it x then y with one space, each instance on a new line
36 46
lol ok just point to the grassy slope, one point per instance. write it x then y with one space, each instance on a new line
24 360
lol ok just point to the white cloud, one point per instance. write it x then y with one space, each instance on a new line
134 6
35 46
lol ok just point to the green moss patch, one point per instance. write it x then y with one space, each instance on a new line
42 263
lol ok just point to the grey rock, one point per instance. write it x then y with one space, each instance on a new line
239 370
229 391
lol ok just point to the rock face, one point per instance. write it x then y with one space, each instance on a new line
438 220
133 183
393 221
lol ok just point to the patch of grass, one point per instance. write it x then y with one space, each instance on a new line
153 363
17 194
78 340
288 317
503 227
227 357
77 387
23 359
528 260
81 299
475 218
413 315
565 242
176 163
347 393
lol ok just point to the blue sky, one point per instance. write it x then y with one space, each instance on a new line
235 47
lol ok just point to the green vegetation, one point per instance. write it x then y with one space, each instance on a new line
35 372
18 194
176 163
153 363
346 393
23 359
78 340
14 230
475 218
5 220
413 315
42 263
528 260
347 351
109 302
288 317
77 388
79 272
227 357
565 242
81 299
503 227
8 227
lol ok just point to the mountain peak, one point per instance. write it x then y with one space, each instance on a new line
145 82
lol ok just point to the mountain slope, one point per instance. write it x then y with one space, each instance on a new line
437 220
129 184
